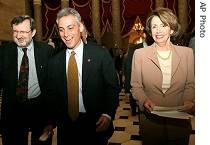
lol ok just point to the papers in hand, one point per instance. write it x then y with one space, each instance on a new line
44 136
171 112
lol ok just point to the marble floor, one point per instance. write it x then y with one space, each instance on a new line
126 126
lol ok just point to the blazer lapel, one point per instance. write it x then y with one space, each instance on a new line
175 61
153 57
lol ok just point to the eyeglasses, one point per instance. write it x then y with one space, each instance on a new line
15 32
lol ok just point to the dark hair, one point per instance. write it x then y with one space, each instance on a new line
167 17
19 19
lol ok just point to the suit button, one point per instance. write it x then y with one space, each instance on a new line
164 95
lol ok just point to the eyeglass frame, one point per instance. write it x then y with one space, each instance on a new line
15 32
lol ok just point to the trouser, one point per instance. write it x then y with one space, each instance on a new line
133 104
82 131
27 117
158 130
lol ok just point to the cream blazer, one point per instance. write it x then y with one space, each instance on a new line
146 77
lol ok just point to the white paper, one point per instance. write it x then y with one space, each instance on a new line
173 114
160 108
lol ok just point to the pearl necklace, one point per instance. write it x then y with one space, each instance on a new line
164 58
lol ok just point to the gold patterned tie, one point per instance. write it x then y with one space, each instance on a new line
73 87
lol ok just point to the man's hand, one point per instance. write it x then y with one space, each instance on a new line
102 124
47 131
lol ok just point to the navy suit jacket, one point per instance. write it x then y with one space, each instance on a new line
100 86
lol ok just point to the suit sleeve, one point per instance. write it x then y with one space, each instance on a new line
137 89
111 85
189 90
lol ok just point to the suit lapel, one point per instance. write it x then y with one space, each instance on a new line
62 70
86 63
14 62
38 57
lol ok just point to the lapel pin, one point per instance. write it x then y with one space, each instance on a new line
88 59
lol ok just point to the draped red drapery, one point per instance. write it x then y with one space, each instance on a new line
129 10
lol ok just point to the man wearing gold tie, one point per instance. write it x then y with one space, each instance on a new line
83 86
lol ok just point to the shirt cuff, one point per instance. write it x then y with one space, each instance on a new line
107 116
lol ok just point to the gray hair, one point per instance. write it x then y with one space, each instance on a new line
68 11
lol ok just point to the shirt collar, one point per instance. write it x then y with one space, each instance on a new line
29 47
78 50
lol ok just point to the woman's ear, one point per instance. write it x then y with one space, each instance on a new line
172 31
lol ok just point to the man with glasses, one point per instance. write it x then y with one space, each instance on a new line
23 70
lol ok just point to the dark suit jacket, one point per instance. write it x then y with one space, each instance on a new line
100 86
9 76
127 66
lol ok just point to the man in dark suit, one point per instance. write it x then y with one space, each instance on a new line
22 109
127 74
97 90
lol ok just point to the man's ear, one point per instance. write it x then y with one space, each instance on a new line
81 27
33 32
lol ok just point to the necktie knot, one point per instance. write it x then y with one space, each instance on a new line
73 53
24 50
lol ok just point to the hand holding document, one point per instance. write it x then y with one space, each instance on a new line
171 112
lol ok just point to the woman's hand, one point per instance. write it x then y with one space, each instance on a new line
188 107
148 105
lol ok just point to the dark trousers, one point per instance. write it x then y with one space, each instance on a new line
164 141
29 117
165 131
132 104
82 131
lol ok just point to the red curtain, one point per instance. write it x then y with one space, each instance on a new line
129 9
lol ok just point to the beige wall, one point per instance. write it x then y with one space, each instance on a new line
9 9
